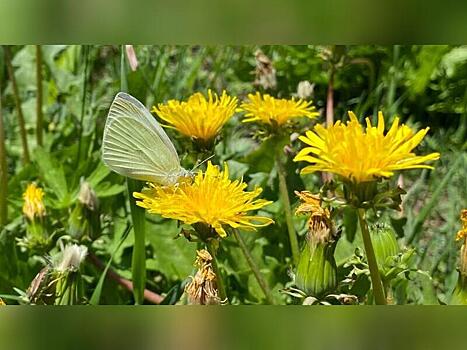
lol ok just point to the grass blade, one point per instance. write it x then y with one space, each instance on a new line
3 169
96 294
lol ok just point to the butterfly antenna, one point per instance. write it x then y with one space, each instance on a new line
204 161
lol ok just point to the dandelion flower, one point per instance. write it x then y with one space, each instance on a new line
362 155
269 110
211 199
199 117
462 232
33 204
2 303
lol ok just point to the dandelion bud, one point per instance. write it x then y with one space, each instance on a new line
84 219
317 269
265 71
385 245
202 289
87 196
305 89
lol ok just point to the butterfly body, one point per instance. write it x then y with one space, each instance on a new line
136 146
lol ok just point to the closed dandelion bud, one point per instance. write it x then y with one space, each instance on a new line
385 245
317 270
84 219
316 273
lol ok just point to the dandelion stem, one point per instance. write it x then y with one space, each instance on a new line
220 280
3 169
376 282
259 277
138 217
284 193
40 117
22 125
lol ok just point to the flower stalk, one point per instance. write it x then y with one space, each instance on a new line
375 276
284 194
251 262
39 115
21 122
212 249
3 170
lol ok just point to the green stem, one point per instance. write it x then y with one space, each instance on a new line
284 193
220 280
259 277
83 102
3 170
376 282
40 117
138 259
22 125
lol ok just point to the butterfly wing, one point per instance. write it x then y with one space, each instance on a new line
135 145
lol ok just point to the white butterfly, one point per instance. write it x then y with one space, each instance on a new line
136 146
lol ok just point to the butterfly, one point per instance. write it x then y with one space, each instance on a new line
136 146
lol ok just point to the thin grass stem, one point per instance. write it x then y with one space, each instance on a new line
254 267
284 194
21 122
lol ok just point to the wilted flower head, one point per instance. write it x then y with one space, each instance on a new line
211 199
462 233
202 289
265 71
269 110
305 89
33 205
319 223
70 258
87 196
199 117
362 155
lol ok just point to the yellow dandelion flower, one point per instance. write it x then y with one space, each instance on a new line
199 117
211 199
2 303
269 110
33 204
350 151
462 232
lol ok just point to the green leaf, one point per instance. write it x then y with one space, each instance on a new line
53 175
